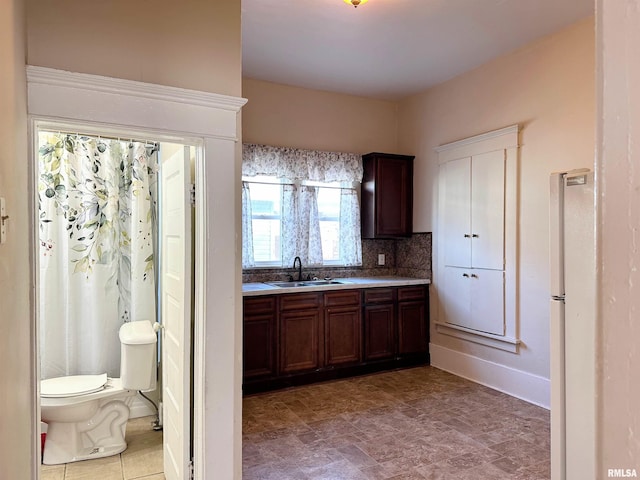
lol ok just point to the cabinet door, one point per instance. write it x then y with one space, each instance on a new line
394 197
379 332
299 347
412 327
342 335
259 337
258 345
487 210
474 298
456 220
487 301
455 296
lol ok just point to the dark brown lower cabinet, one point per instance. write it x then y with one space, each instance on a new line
259 337
379 323
379 331
299 332
413 325
412 328
342 335
300 338
342 326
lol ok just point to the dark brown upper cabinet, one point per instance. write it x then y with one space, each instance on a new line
387 195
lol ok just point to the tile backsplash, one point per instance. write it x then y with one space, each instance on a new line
405 257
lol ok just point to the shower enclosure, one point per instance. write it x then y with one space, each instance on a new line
97 243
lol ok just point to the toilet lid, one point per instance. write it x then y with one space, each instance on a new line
72 386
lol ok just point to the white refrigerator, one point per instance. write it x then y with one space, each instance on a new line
573 325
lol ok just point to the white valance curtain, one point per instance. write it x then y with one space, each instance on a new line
296 164
300 220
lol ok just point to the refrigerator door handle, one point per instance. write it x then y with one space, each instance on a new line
559 298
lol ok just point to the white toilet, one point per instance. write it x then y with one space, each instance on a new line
87 414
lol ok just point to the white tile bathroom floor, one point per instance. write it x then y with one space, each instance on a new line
142 460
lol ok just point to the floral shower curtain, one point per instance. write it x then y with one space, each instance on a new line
97 233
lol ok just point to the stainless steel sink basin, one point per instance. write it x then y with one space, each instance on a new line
305 283
286 284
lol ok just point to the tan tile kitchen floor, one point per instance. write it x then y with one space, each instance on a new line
418 423
142 460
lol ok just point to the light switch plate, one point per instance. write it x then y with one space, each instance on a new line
381 259
3 228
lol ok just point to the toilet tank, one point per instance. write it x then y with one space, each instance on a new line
138 355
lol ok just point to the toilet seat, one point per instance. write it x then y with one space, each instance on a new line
72 386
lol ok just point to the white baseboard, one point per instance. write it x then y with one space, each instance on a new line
140 408
525 386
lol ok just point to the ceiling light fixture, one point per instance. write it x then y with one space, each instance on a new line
355 3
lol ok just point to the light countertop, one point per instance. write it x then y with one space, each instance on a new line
255 289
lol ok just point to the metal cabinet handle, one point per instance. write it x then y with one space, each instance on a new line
465 275
466 235
475 235
473 275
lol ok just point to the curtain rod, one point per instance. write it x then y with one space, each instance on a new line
100 137
306 183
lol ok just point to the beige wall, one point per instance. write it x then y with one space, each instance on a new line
17 456
193 44
286 116
548 88
619 289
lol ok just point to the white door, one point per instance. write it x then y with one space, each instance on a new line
175 269
457 212
456 296
487 300
487 210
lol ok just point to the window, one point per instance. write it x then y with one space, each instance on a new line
265 222
329 217
308 210
300 203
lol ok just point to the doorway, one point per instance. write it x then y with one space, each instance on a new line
112 227
211 123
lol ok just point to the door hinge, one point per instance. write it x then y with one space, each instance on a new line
192 193
191 469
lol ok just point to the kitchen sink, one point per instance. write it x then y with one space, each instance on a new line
305 283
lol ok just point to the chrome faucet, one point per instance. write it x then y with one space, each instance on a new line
299 267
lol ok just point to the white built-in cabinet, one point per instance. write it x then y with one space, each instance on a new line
476 241
474 211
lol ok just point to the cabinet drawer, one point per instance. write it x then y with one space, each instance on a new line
300 301
378 295
411 293
261 304
344 297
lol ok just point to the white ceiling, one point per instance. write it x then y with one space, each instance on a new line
389 48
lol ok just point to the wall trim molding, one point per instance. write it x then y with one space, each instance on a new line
140 408
517 383
509 133
120 86
79 97
509 344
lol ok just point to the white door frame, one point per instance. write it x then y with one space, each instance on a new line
209 121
